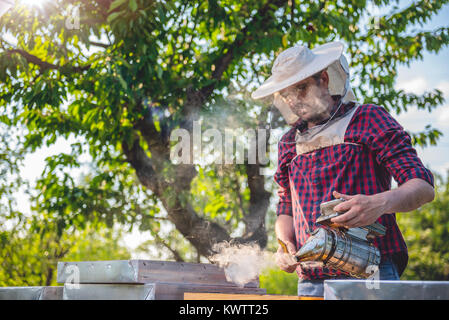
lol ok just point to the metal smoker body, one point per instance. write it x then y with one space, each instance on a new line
350 250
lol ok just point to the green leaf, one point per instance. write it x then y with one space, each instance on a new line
132 5
159 71
113 16
161 56
116 4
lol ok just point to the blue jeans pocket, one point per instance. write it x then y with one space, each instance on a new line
388 270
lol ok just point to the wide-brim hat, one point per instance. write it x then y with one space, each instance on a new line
296 64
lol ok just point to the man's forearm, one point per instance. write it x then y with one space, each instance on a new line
286 233
362 210
407 197
284 228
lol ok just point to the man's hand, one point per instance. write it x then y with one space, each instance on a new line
285 232
284 260
359 210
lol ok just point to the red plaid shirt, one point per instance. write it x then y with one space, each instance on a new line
381 149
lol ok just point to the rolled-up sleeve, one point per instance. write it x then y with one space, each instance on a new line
284 205
392 146
286 151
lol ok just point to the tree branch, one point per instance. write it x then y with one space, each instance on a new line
239 198
46 65
200 232
259 201
33 59
203 234
225 60
259 198
228 53
157 144
143 165
196 98
99 44
175 252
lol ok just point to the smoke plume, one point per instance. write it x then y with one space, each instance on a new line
242 263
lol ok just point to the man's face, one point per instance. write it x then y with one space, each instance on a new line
307 99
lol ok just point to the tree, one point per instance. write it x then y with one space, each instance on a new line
31 249
31 244
120 76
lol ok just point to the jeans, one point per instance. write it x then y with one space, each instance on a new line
315 288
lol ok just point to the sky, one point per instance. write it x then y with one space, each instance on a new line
432 72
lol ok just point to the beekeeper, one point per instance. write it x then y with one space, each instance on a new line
338 148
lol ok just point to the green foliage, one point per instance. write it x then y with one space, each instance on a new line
100 196
276 281
10 180
426 232
32 244
134 66
226 207
31 249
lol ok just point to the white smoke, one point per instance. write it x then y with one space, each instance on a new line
242 263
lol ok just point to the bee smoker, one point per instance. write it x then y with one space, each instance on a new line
347 249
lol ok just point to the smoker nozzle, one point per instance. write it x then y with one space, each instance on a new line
313 249
340 251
